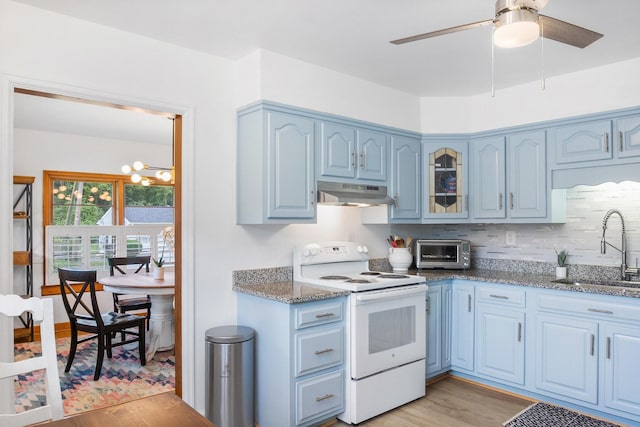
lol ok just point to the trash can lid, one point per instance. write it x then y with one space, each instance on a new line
229 334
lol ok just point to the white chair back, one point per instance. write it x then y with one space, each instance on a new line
42 310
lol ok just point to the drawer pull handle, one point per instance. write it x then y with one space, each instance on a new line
323 315
519 331
428 310
593 344
325 397
469 303
621 141
326 350
599 310
499 296
606 142
608 347
500 201
511 201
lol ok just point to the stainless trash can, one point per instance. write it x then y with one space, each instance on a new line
229 376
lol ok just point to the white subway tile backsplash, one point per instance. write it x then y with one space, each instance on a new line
580 235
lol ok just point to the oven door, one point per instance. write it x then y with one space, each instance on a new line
387 329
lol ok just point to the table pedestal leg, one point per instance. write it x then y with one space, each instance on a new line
161 334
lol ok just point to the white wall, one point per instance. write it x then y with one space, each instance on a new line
610 87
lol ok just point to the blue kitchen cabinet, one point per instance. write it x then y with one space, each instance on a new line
509 177
275 167
299 356
405 179
349 152
582 142
500 333
621 372
438 329
445 180
628 133
462 325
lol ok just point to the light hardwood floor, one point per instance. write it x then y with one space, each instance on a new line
451 402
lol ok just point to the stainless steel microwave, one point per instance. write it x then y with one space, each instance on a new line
444 254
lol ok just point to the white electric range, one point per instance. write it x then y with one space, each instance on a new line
386 332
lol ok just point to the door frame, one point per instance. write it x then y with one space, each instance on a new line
184 190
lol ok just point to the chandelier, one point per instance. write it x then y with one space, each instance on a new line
162 174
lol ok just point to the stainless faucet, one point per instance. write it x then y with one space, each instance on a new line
625 271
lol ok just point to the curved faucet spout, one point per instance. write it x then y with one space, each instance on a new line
623 243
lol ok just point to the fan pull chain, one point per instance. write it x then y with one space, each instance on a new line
493 64
542 79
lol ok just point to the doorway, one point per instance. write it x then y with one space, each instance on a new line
67 108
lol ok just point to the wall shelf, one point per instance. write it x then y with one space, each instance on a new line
23 258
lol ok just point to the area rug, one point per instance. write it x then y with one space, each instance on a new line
122 377
545 415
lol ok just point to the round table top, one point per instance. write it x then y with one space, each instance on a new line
139 283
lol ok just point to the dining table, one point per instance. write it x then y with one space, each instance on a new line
159 410
161 335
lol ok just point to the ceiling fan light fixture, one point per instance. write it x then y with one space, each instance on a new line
516 28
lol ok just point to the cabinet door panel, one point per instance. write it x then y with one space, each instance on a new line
527 196
621 348
566 357
463 331
583 142
434 329
628 136
372 155
405 178
488 164
500 345
290 154
338 150
444 171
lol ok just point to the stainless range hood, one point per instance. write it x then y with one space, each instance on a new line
341 194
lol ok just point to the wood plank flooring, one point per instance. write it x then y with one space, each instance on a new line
451 402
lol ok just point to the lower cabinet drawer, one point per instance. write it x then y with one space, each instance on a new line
320 396
319 349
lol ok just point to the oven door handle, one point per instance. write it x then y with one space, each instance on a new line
399 292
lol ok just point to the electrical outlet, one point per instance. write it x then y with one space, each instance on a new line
511 238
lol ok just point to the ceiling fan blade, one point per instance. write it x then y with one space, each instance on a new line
442 32
567 33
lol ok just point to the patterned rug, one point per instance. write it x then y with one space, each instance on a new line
545 415
122 377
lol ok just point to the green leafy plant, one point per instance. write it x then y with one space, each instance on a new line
562 258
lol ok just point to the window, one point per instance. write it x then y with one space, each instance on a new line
89 218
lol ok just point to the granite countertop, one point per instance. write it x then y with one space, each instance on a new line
280 287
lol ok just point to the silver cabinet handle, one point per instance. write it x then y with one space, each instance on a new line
469 303
608 347
312 193
428 305
320 316
353 159
511 201
606 142
500 201
519 331
362 160
397 200
599 310
326 350
325 397
593 344
621 146
499 296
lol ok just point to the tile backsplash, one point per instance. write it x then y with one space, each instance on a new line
580 235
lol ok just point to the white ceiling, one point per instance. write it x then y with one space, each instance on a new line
352 36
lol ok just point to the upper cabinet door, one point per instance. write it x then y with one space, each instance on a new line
338 155
371 155
488 178
583 142
445 179
405 178
628 130
527 160
290 159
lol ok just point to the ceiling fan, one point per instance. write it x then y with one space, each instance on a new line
518 23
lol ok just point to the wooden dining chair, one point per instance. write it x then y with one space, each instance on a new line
87 318
42 311
136 303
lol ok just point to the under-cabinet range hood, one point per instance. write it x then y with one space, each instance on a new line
341 194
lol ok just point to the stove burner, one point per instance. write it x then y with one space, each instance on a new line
334 278
393 276
370 273
358 281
